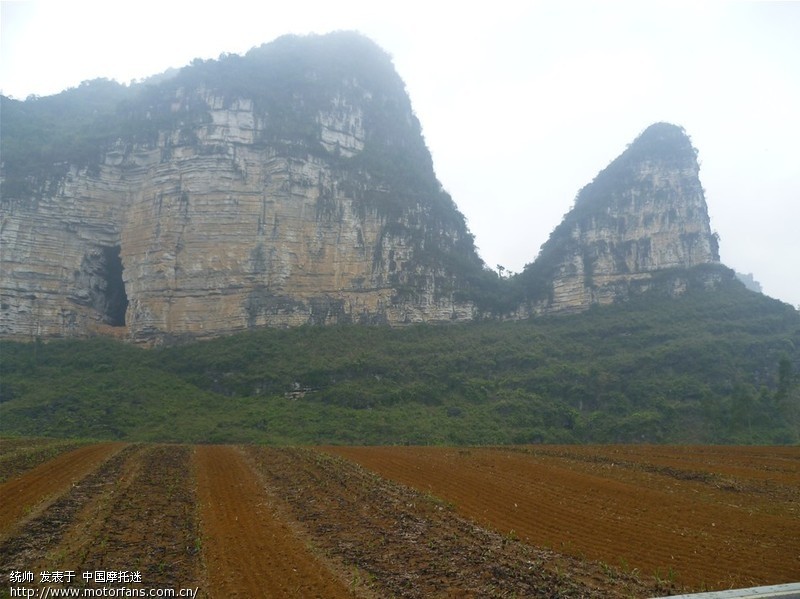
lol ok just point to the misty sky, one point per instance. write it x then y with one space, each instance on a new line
521 103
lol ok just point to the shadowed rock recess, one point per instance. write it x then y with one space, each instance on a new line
292 185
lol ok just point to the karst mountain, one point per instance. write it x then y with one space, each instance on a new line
292 185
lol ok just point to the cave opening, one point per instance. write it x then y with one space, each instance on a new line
116 300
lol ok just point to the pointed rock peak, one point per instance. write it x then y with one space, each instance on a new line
662 148
645 212
662 141
663 132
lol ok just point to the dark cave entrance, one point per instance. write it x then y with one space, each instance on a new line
115 299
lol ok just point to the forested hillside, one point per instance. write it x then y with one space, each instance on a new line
709 367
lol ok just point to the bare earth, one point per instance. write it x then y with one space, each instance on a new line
532 521
40 486
710 517
249 551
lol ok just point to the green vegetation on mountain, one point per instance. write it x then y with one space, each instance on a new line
42 137
709 367
290 82
598 204
712 366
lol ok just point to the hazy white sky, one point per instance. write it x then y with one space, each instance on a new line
521 103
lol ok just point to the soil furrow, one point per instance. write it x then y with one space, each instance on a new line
400 542
23 497
17 456
27 544
730 469
593 515
249 552
533 521
147 522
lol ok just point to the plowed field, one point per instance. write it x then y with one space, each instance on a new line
246 541
705 517
48 481
403 522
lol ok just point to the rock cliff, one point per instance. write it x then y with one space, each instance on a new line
285 187
289 186
640 224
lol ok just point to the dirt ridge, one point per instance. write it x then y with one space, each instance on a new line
370 522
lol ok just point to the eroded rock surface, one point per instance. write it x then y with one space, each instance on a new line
293 186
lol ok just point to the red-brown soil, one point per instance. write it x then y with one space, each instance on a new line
249 550
145 521
135 512
18 455
34 535
705 517
398 542
40 486
534 521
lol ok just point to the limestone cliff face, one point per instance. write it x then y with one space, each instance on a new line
643 217
292 186
227 210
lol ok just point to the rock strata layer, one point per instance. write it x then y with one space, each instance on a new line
640 224
298 190
227 222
